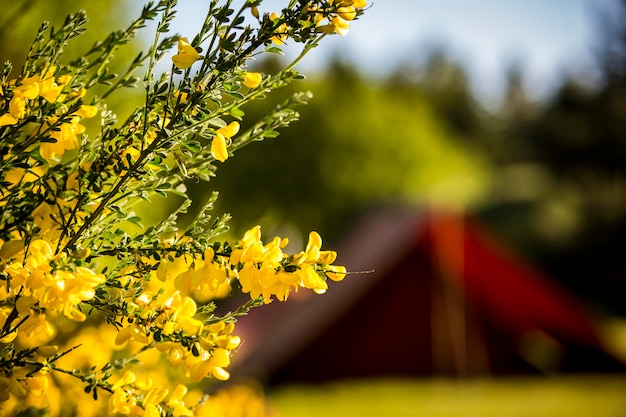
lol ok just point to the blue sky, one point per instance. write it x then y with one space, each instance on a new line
547 38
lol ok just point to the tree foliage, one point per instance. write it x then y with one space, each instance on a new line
548 176
94 303
360 143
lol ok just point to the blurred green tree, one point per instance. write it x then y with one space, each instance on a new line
359 142
561 195
20 20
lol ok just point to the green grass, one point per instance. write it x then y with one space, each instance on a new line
584 396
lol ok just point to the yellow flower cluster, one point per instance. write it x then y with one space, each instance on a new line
234 401
261 269
43 286
264 270
339 20
142 391
20 385
21 98
27 383
333 17
28 90
142 398
165 316
43 281
95 348
280 31
209 348
136 397
66 134
65 250
15 178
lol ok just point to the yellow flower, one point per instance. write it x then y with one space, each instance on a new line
127 379
186 56
235 400
120 402
310 279
37 385
11 248
17 107
213 365
5 385
262 272
6 119
47 351
176 402
131 332
86 111
252 79
45 87
252 236
314 14
210 280
313 246
357 4
37 323
347 13
155 395
337 25
45 217
55 290
184 310
339 20
212 350
29 88
49 90
67 133
280 31
336 272
218 145
230 130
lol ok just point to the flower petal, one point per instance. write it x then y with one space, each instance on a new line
252 79
218 147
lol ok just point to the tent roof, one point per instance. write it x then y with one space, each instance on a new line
498 290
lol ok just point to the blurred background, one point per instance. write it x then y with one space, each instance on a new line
473 154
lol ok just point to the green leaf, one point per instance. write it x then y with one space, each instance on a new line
274 50
237 112
193 146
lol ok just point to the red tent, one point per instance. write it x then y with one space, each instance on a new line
446 298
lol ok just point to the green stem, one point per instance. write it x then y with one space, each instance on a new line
305 50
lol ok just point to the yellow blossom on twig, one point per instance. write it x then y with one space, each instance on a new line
186 56
252 79
218 145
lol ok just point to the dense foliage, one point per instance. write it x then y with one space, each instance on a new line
94 303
